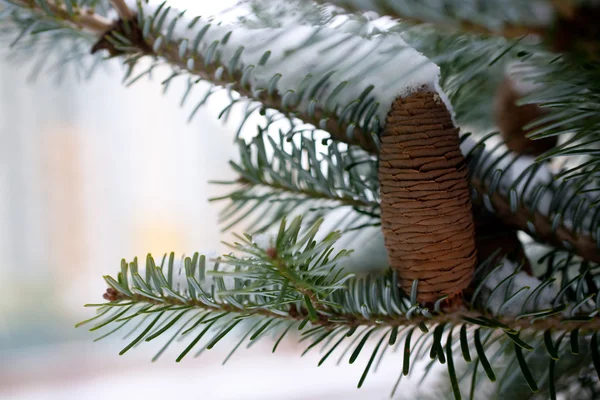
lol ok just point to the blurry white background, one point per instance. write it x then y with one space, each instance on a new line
92 172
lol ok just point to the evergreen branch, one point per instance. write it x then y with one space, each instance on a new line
471 67
331 320
564 25
193 54
120 40
541 226
51 42
78 18
206 61
290 171
296 261
296 280
452 15
527 196
305 193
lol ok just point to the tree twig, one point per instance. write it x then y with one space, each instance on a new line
122 9
572 28
563 238
331 318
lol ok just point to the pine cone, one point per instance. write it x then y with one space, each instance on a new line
425 201
511 119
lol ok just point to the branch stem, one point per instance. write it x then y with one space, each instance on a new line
563 238
122 9
342 200
332 319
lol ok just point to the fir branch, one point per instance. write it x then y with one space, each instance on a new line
78 18
289 171
303 265
331 319
541 226
491 19
529 197
564 25
208 66
297 281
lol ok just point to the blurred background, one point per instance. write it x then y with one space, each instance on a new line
92 172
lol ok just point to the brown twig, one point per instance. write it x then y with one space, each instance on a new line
564 238
122 9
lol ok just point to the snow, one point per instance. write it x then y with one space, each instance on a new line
196 7
514 165
531 13
521 279
384 61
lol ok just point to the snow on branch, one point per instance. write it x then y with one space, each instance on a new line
512 19
336 80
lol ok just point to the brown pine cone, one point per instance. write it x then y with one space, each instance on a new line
511 119
425 201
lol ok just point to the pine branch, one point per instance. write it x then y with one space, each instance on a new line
77 18
559 237
151 38
290 172
564 25
296 281
452 15
191 61
527 196
208 66
302 267
330 318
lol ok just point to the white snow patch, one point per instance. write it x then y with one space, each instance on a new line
522 279
385 61
264 240
513 166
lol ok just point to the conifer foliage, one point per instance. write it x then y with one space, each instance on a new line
467 132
